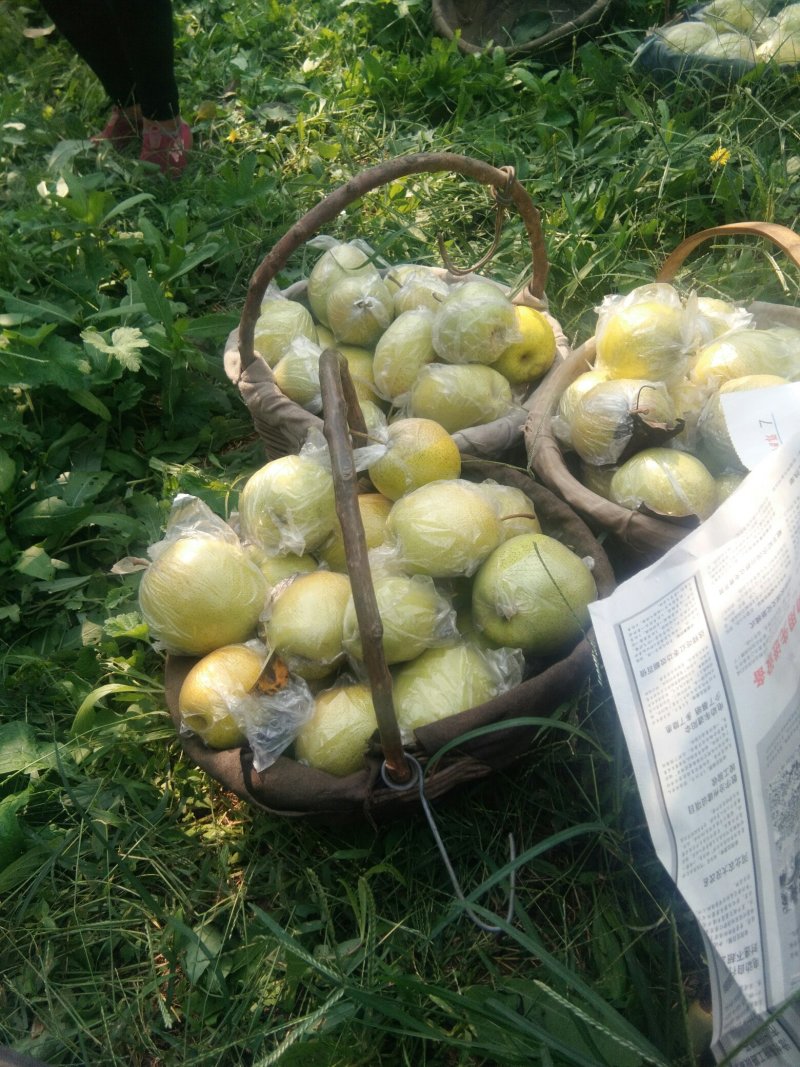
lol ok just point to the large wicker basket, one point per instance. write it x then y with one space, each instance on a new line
289 789
283 424
633 539
518 28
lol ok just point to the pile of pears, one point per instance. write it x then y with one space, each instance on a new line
416 343
738 30
646 422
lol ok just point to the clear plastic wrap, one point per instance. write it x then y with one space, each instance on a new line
514 508
645 334
717 447
339 259
730 46
303 622
407 454
562 420
335 739
359 309
748 351
444 681
459 395
272 721
533 593
443 529
605 417
288 505
225 701
414 613
475 324
297 374
711 319
277 568
201 590
281 322
404 348
416 286
374 509
728 15
667 482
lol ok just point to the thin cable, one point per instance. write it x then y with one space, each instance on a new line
418 779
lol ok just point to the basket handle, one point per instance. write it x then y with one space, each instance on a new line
507 190
787 240
342 411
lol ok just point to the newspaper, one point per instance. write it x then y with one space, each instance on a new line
702 653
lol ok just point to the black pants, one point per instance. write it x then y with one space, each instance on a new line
129 46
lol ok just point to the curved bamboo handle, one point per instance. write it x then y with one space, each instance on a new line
507 190
782 236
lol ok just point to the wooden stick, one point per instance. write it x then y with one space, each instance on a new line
341 409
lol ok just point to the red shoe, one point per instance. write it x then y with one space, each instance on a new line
168 149
120 131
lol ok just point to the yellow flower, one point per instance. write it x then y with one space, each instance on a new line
48 111
719 157
233 136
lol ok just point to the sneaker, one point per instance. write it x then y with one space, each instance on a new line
168 149
121 131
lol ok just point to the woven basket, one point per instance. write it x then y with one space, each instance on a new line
667 65
524 28
282 424
291 789
634 539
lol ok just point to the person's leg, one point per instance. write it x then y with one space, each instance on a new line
129 45
86 26
147 30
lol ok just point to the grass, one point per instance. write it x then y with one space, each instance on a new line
149 918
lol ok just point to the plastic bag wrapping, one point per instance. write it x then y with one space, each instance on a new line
374 510
339 259
711 318
288 506
303 622
458 396
667 482
416 286
645 334
281 322
201 590
447 680
514 508
712 429
775 350
335 739
475 324
191 516
402 351
414 613
224 700
272 721
562 419
443 529
359 309
297 374
277 568
605 418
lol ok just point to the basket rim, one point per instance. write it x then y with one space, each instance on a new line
447 26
